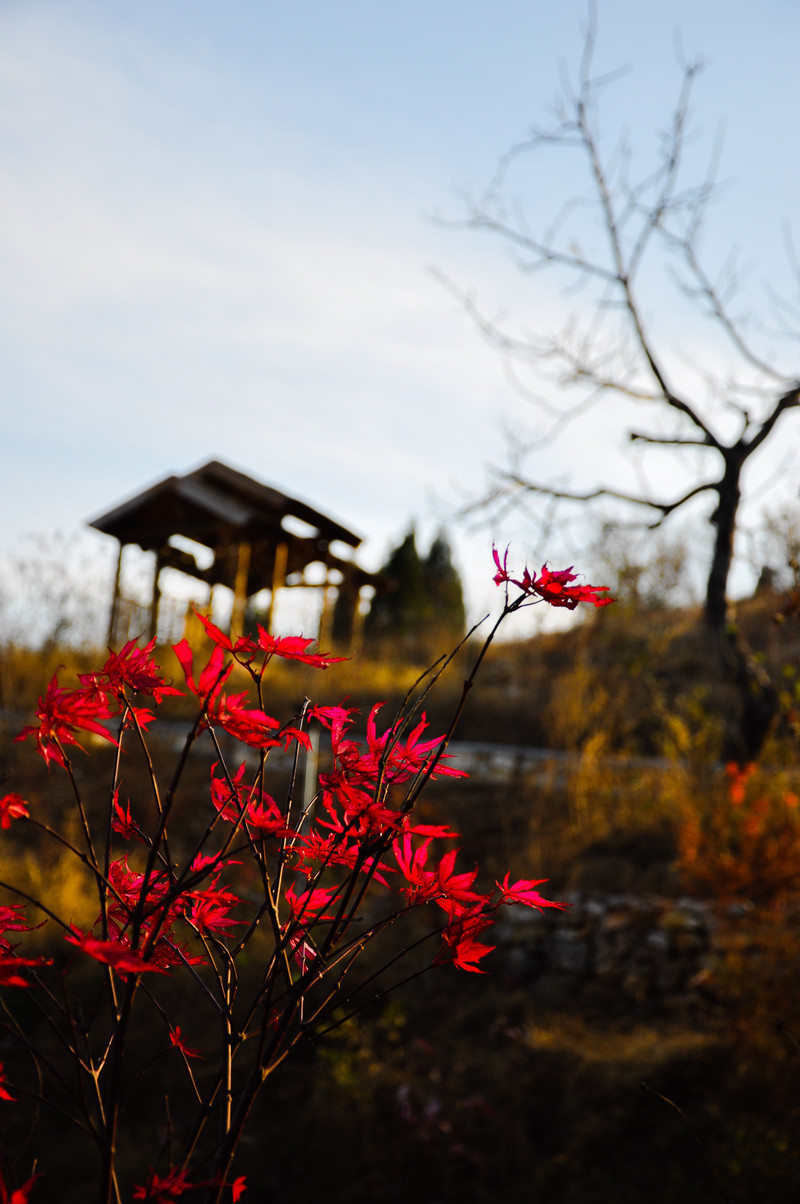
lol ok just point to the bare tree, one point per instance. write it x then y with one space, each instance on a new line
616 245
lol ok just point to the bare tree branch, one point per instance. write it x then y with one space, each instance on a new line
638 233
706 291
789 401
666 440
592 495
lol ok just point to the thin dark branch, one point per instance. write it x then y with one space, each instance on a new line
667 440
788 401
664 508
676 1107
707 292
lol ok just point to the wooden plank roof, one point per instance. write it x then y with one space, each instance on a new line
212 505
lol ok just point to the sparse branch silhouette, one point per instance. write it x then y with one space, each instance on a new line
609 250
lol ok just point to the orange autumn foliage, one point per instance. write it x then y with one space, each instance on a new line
747 843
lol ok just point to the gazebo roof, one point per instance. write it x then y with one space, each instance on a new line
214 500
219 508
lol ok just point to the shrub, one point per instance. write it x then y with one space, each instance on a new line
229 944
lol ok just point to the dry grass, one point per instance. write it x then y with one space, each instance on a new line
640 1051
471 1089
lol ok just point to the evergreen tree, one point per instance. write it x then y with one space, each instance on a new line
343 614
444 595
397 608
420 604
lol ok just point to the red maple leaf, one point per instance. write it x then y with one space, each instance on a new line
112 953
552 585
12 806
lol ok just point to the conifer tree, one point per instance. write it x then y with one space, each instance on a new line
444 595
421 603
396 609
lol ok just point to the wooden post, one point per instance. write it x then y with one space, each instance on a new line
278 577
310 769
156 598
357 638
240 588
112 619
325 616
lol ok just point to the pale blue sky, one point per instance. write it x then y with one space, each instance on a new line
214 238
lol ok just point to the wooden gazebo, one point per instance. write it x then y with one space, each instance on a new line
249 530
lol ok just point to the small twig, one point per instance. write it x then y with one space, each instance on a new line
671 1103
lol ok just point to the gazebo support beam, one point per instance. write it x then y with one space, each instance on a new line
240 587
156 598
278 578
112 618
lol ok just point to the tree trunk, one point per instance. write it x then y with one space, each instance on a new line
757 697
724 521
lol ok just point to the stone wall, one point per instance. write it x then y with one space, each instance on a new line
644 948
